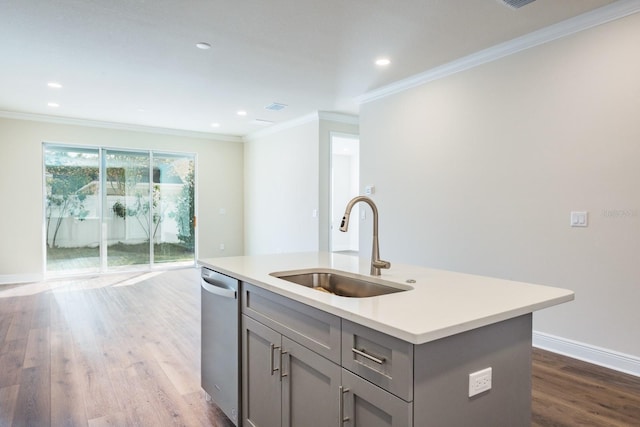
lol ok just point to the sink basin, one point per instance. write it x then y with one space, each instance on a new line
341 283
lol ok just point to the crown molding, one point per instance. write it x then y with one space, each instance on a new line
319 115
616 10
117 126
315 116
332 116
279 127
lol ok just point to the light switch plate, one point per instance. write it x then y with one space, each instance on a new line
579 219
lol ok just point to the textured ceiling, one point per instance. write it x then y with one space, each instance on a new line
135 61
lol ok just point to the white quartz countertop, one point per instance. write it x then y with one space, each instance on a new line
441 303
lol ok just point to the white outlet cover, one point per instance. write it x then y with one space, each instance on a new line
479 381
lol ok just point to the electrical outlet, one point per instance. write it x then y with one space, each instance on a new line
479 381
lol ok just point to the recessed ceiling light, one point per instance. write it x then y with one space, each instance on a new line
242 113
215 125
54 85
203 45
53 104
383 62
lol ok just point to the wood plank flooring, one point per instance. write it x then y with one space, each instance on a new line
124 350
118 350
569 392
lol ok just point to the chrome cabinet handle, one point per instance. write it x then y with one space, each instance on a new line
379 361
272 348
282 372
343 419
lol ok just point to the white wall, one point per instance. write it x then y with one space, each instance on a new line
287 181
281 191
478 172
219 183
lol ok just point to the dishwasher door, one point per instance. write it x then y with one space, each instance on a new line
220 358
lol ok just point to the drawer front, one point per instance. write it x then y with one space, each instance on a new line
384 360
315 329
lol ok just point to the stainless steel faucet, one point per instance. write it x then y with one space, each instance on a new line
376 262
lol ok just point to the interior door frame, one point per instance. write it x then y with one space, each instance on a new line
333 136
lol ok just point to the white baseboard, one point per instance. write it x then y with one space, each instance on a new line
588 353
13 279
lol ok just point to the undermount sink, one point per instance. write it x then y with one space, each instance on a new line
341 283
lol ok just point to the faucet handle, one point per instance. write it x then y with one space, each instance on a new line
378 263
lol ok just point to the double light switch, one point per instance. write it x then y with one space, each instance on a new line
579 219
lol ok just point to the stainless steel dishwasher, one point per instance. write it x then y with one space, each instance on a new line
220 358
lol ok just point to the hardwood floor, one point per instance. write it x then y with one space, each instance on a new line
123 350
569 392
120 350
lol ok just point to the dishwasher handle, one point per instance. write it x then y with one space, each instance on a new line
217 288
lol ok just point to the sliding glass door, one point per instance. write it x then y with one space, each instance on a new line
72 208
127 208
114 209
174 208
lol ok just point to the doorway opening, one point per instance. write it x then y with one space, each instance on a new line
345 184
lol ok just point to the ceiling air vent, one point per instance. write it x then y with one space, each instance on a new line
276 106
515 4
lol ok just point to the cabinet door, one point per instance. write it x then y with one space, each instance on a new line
261 381
367 405
310 388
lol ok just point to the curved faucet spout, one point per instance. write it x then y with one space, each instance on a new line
376 262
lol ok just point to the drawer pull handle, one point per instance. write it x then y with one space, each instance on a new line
272 348
379 361
343 419
282 372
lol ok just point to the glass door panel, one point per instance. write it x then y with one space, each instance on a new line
104 208
127 210
173 208
72 209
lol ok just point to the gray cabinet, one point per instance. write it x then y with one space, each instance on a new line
294 360
382 359
366 405
313 328
310 388
284 383
303 367
261 381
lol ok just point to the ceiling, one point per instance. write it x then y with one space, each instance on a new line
135 61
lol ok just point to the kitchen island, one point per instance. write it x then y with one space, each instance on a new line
448 349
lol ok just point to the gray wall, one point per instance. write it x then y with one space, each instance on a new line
478 172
